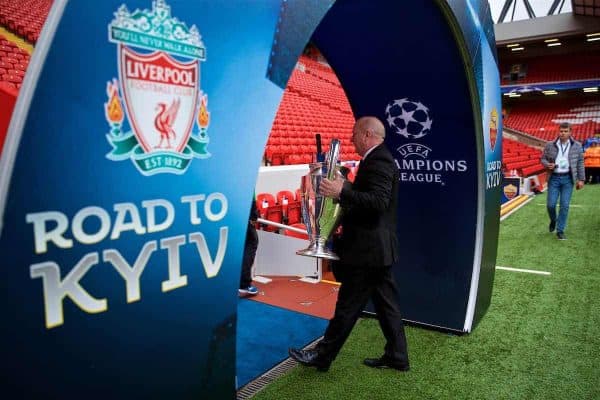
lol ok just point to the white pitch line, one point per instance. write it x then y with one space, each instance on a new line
528 271
573 205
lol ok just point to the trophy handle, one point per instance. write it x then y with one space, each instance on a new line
332 158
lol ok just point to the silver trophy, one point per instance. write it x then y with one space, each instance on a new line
321 214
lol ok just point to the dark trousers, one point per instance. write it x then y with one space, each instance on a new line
592 174
358 286
249 253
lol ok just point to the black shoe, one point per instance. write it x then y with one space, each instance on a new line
552 226
561 236
385 363
309 358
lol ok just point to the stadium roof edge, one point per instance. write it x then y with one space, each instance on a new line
561 25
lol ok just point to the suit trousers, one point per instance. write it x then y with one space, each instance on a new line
358 286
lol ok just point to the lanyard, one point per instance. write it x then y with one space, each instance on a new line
563 149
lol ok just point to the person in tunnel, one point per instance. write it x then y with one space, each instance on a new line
367 248
250 248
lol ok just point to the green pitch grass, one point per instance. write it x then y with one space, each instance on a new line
540 338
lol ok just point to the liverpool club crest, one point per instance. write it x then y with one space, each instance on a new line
158 89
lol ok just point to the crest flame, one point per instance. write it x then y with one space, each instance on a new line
203 114
114 111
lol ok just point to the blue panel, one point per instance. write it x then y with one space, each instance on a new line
491 116
408 70
297 21
160 341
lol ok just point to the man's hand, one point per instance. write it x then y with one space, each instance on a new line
331 188
579 185
551 166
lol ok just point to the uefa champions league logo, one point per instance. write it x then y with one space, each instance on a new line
408 118
415 161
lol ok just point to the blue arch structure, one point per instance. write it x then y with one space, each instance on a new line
121 254
436 60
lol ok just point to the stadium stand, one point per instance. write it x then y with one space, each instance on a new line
552 68
313 102
541 119
24 18
521 159
548 79
13 63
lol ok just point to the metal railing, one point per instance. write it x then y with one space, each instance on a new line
281 226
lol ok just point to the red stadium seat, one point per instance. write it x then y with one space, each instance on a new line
284 197
549 68
275 214
277 159
264 201
294 213
306 158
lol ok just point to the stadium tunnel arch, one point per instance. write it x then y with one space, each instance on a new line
439 55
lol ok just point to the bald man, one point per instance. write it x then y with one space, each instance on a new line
367 249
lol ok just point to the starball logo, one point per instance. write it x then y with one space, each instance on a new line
412 120
408 118
158 60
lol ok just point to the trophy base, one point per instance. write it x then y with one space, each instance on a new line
314 250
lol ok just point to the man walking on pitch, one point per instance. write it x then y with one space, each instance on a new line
367 249
563 158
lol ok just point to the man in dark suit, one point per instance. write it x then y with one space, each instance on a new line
367 248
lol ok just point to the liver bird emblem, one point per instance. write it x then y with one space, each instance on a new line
165 118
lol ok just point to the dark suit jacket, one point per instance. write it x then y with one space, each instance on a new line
369 213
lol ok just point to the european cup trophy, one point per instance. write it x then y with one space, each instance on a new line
321 214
